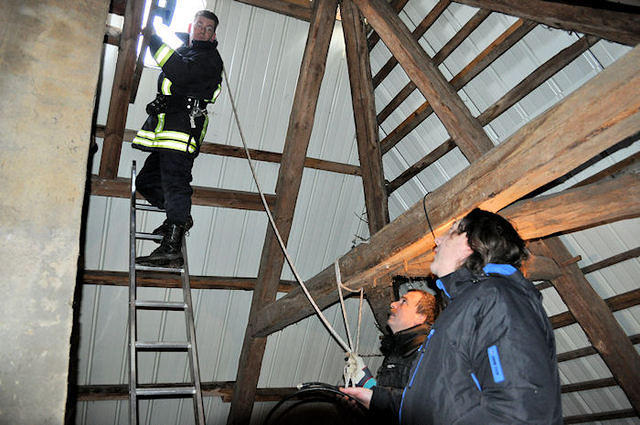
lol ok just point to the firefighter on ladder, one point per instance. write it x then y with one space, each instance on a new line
191 78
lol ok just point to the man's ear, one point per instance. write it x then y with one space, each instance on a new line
214 36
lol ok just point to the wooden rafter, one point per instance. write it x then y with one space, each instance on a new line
257 155
373 38
418 32
615 22
237 199
287 187
595 117
364 113
500 45
465 131
121 91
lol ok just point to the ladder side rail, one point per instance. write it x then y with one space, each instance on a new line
194 365
133 381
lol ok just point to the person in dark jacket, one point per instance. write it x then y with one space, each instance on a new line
410 319
190 79
490 356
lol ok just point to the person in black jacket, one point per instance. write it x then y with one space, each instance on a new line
410 319
490 356
191 78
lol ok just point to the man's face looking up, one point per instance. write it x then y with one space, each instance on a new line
404 313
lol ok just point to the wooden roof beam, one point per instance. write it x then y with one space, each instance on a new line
589 351
595 317
615 22
593 118
373 38
364 114
466 132
166 280
500 45
221 389
417 33
211 197
256 155
287 188
599 416
535 79
299 9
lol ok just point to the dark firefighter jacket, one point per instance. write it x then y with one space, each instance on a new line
190 72
490 357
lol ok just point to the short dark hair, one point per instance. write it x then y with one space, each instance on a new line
492 239
209 15
426 305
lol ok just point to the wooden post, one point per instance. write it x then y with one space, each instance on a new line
287 187
364 113
121 91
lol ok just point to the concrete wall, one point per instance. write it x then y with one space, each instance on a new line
49 59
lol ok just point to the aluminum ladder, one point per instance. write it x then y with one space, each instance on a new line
164 391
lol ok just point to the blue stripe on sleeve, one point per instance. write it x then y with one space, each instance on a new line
475 379
496 366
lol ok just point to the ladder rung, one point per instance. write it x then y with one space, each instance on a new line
162 345
168 391
159 269
161 305
145 207
148 236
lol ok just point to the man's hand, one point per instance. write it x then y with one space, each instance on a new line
356 373
363 395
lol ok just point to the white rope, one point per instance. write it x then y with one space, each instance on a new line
336 267
324 320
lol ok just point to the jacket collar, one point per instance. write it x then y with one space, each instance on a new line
455 283
404 342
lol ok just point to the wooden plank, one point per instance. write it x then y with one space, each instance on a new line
593 118
221 389
287 187
588 385
595 317
211 197
577 208
121 90
465 131
257 155
418 32
423 163
615 303
589 351
373 39
504 42
623 256
112 35
631 161
615 22
380 298
296 9
536 78
165 280
600 416
364 114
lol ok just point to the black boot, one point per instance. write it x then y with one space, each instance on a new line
169 253
165 228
